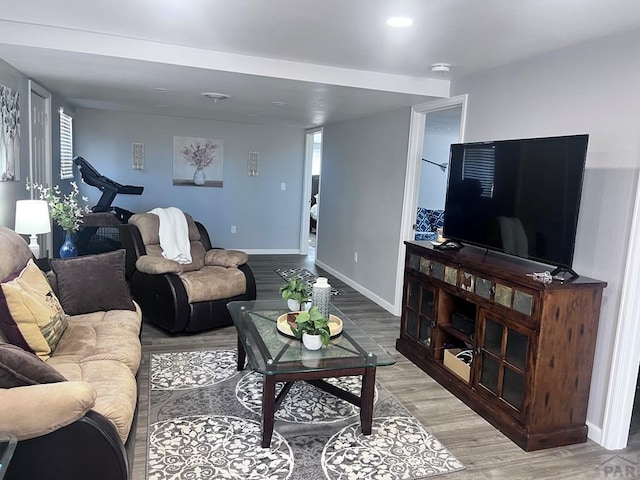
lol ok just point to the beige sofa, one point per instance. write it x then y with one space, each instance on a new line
70 400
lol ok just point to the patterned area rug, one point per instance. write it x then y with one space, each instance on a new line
204 423
303 274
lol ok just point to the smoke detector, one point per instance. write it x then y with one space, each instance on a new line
216 97
440 67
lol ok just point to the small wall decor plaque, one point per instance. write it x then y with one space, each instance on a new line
253 163
137 156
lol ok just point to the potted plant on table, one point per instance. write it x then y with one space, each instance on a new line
313 328
296 293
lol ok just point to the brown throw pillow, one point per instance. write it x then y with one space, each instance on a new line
93 283
19 368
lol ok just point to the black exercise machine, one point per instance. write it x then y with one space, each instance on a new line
108 187
105 216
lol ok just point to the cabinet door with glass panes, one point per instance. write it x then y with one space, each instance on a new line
502 360
419 309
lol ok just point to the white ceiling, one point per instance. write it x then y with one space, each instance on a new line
328 60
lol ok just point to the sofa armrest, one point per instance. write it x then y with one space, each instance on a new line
251 292
157 265
36 410
225 258
87 448
163 299
131 241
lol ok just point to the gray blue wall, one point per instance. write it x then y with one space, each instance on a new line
433 181
364 164
12 191
267 219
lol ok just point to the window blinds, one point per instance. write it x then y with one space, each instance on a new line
66 146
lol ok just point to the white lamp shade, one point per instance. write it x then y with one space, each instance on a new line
32 217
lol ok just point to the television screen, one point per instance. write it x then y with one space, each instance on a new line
519 197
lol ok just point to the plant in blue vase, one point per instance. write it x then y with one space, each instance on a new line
65 210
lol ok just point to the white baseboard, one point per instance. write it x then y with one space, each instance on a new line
595 432
293 251
367 293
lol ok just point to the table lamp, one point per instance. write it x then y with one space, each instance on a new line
32 218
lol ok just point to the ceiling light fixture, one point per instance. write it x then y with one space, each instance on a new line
399 22
440 67
279 103
215 96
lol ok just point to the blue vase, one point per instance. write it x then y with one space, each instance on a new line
68 248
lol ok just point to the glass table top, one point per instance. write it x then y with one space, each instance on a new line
7 446
271 352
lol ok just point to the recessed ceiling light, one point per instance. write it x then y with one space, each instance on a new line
399 22
161 89
279 103
215 96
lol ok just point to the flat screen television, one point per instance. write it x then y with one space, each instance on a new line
520 197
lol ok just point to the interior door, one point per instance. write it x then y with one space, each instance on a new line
40 148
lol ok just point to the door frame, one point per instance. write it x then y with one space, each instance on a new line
45 240
412 176
621 391
305 220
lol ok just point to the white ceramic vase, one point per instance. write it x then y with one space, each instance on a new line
296 306
199 177
312 342
293 305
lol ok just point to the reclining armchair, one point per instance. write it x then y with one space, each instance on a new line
183 298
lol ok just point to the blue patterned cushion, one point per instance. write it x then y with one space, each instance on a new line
427 223
435 218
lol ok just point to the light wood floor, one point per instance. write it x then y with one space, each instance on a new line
486 453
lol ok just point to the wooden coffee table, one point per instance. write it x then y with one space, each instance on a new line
280 358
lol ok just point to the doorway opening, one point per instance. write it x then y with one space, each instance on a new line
311 193
316 162
436 170
441 129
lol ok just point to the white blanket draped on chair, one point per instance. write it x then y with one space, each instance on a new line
174 234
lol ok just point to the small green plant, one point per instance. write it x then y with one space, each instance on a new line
295 289
313 323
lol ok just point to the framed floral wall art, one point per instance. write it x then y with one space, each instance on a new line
197 161
9 134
